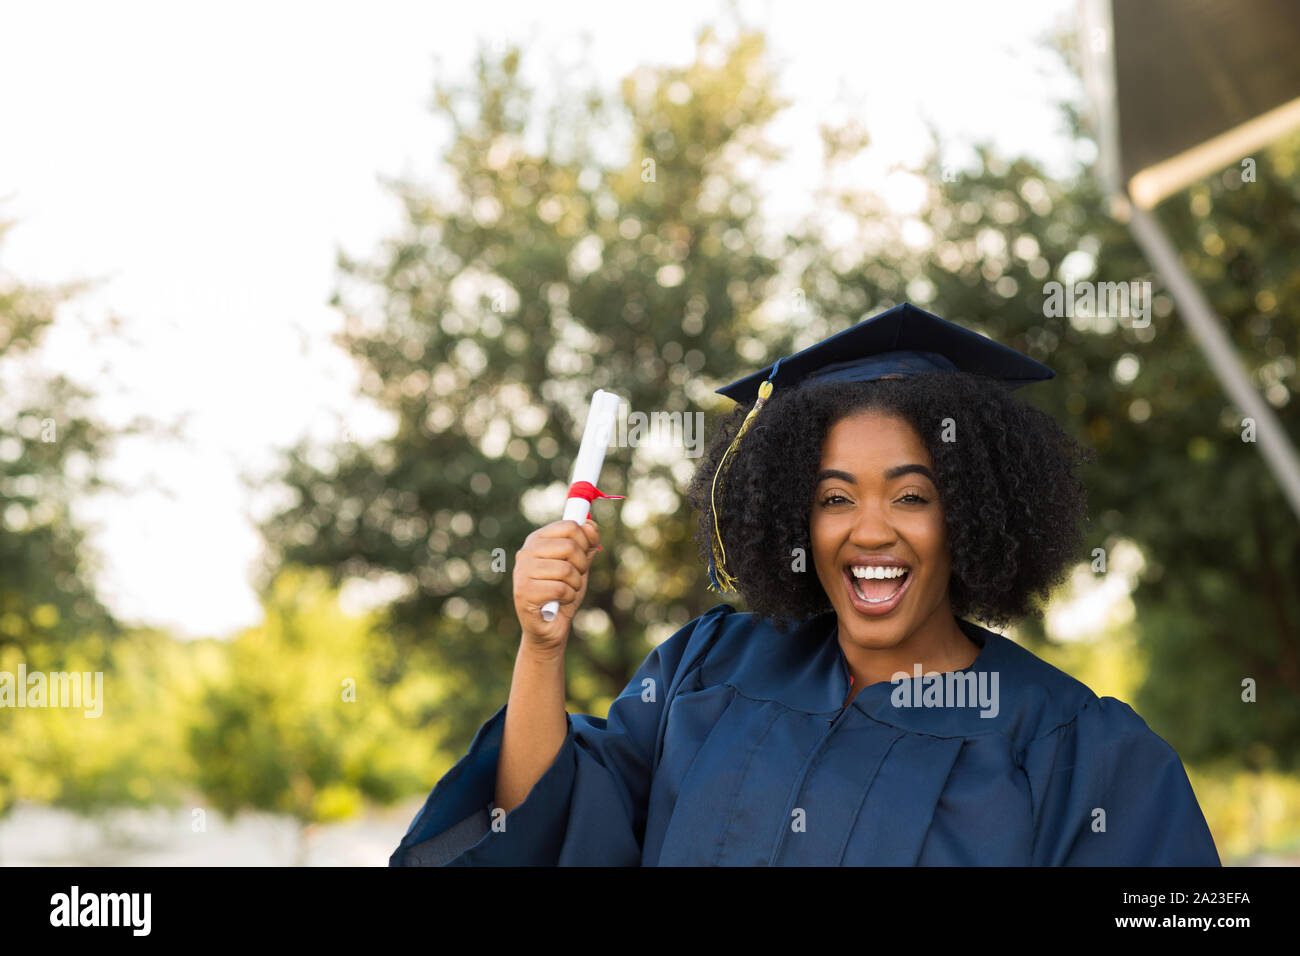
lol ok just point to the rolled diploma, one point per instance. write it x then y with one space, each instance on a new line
591 457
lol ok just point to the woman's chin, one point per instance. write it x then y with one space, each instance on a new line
876 634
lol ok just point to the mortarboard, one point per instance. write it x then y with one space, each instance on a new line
899 342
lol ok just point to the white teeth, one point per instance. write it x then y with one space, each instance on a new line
878 571
857 589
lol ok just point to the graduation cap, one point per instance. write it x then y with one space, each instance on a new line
903 341
897 343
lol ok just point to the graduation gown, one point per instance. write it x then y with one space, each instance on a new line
732 746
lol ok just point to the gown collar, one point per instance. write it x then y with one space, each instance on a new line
806 670
929 703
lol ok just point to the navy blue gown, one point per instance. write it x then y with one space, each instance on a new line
732 747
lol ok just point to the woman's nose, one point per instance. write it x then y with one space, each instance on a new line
872 527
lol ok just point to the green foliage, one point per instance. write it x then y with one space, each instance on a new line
1221 603
50 450
257 723
50 616
131 754
296 721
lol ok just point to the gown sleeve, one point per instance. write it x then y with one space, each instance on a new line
1107 759
589 807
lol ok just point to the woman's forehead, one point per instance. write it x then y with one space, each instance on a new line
872 445
871 431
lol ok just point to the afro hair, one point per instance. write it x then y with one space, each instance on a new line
1013 505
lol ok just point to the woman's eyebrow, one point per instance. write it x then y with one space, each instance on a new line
896 472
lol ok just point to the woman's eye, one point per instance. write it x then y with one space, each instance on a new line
910 498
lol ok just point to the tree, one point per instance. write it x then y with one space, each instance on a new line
50 451
540 274
296 722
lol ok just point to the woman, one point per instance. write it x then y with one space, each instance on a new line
869 495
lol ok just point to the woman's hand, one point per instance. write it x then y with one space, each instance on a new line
552 566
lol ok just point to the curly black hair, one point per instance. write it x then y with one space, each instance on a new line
1013 505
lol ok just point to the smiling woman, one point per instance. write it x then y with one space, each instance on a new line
856 715
1000 473
943 474
880 548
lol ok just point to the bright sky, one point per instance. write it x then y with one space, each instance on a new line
205 161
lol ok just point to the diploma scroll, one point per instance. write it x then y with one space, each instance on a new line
591 457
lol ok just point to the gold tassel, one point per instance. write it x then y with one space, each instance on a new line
719 579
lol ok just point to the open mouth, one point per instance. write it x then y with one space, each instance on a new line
877 589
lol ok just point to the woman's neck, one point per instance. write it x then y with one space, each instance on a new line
939 645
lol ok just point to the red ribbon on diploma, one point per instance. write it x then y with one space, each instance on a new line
589 492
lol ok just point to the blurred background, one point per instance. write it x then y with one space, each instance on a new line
301 306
